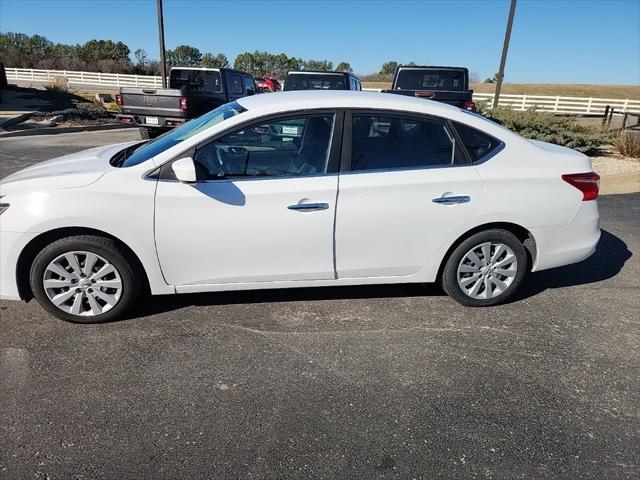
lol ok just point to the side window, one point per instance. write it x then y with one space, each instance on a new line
249 86
292 146
395 142
477 143
234 84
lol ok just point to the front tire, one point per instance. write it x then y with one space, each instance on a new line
485 269
84 279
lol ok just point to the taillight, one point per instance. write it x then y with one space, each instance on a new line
469 105
183 103
587 183
119 101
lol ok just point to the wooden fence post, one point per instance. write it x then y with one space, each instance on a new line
555 107
524 102
610 117
606 114
589 105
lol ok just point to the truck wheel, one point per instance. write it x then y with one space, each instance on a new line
148 133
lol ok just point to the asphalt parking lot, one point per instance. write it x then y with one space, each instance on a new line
335 383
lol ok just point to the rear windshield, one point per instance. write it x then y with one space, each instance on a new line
195 80
448 80
306 81
173 137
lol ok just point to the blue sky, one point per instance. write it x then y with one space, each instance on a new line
561 41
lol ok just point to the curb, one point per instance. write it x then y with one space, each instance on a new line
55 130
12 121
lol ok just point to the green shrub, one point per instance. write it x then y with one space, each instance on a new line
565 131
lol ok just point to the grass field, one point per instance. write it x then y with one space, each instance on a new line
562 89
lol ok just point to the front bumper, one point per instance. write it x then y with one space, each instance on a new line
11 245
559 245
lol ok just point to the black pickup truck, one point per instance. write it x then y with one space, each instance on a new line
442 84
192 92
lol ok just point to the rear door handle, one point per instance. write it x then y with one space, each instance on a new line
452 200
308 207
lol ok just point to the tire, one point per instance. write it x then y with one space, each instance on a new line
147 133
466 278
94 295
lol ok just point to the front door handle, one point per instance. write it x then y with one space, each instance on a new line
309 207
452 200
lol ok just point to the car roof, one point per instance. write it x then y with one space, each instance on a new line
313 99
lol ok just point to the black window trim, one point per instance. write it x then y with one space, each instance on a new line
499 147
333 162
345 161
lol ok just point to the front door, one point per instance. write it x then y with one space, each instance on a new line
262 209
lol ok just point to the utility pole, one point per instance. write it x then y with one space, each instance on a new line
161 35
505 48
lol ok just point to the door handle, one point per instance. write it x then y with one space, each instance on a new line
452 200
309 207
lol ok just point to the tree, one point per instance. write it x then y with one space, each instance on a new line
210 60
104 50
474 77
493 79
344 67
261 63
141 57
184 56
318 65
388 68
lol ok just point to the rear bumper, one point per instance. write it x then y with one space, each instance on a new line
141 120
559 245
11 245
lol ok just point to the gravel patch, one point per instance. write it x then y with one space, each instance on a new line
606 166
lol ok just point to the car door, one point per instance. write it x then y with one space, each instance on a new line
262 209
405 186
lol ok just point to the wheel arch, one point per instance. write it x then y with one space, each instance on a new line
520 232
31 250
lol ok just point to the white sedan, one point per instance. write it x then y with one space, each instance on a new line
297 189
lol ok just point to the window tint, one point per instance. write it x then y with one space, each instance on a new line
195 80
451 80
287 147
249 86
306 81
477 143
234 84
389 142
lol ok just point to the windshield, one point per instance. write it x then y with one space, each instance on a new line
306 81
447 80
177 135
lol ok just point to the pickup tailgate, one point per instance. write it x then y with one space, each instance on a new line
457 99
154 102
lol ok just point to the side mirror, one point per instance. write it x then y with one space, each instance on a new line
184 169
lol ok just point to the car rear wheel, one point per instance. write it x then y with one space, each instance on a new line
84 279
485 269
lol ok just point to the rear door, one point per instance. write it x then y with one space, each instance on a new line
405 186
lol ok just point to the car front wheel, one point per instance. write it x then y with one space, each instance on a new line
84 279
485 269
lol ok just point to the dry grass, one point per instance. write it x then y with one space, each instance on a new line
562 89
628 143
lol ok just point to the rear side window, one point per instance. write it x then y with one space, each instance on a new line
478 144
396 142
234 84
249 85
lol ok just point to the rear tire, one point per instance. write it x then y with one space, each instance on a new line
147 133
485 269
84 279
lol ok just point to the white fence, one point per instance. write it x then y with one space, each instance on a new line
83 78
560 105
